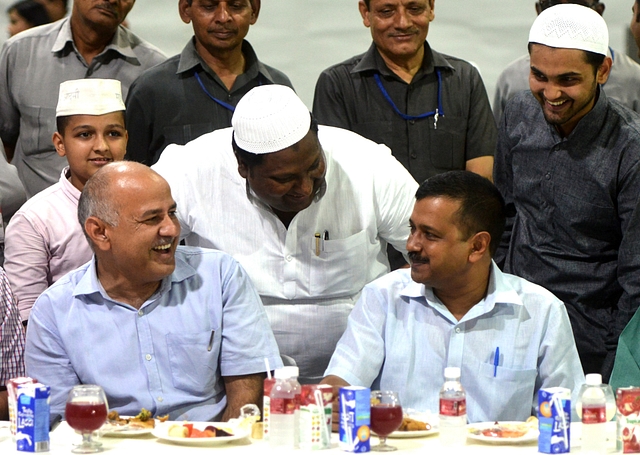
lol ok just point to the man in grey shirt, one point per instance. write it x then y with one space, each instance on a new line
622 84
195 92
89 43
11 195
568 166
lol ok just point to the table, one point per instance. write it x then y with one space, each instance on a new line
63 437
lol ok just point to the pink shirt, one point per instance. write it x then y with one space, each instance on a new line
44 241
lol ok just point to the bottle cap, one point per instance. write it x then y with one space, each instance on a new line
594 379
452 372
294 372
281 373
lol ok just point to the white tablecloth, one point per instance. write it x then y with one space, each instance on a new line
63 437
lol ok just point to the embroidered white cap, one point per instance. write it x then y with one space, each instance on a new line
571 26
270 118
89 97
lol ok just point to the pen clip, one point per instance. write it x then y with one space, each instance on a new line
210 341
496 361
317 235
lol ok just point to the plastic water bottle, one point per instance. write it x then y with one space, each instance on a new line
294 372
594 416
282 409
453 409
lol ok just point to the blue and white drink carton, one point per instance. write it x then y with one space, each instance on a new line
32 434
355 418
554 417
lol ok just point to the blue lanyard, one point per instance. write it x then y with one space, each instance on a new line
438 112
220 102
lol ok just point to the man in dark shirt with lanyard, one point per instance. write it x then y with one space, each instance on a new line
431 110
195 92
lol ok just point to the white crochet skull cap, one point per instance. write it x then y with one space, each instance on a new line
89 97
571 26
270 118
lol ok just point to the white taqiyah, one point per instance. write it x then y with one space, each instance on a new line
89 97
571 26
270 118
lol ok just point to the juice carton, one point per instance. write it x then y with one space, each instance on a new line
33 418
355 417
628 431
266 407
315 416
554 417
12 391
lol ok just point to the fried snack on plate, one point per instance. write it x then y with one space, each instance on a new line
409 424
143 420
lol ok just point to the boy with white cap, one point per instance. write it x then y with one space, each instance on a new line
306 210
44 240
568 166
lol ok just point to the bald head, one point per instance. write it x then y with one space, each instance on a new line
113 185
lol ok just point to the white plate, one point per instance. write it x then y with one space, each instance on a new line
413 434
161 432
530 436
123 431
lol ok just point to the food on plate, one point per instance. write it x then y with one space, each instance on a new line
257 430
409 424
506 430
186 430
143 420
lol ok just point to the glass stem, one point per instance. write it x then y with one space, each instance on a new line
86 439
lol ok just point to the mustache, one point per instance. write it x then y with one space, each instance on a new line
415 257
108 7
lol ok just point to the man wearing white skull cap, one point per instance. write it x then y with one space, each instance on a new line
568 166
44 240
306 210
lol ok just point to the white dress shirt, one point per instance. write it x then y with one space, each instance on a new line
367 202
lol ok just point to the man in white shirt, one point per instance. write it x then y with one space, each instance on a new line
307 212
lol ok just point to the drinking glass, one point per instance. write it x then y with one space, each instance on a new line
386 417
86 412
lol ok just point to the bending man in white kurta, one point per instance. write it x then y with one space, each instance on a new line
307 211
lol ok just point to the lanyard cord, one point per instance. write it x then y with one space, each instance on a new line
220 102
438 112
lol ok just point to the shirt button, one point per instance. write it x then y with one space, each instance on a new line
414 155
160 399
457 329
148 356
288 258
547 176
412 122
140 313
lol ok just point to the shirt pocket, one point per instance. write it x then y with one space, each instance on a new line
447 143
37 126
340 269
576 214
509 391
181 134
193 365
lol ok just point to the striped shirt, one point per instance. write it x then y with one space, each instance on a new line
11 334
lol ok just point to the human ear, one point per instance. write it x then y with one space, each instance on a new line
58 143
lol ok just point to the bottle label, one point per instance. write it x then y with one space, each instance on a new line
594 414
282 406
453 408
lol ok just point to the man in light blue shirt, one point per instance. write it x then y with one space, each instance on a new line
175 330
509 337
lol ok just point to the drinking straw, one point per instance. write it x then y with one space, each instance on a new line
266 362
320 403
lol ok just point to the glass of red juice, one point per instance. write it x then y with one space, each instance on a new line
86 411
386 417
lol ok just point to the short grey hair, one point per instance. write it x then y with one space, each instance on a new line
96 201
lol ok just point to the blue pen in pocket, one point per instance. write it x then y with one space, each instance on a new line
496 361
